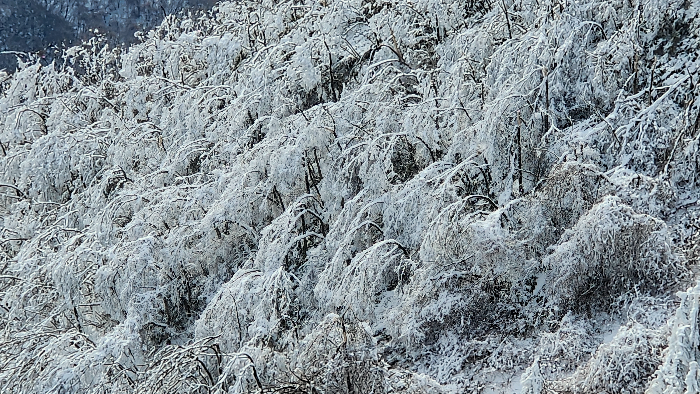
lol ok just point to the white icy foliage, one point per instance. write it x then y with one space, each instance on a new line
679 371
347 196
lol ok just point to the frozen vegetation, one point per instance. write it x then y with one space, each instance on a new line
359 196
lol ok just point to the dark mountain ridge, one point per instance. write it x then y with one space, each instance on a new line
43 27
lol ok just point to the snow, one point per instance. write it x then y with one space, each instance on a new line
343 196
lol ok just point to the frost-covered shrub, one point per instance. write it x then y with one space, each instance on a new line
252 307
567 347
678 371
340 357
471 261
611 249
625 364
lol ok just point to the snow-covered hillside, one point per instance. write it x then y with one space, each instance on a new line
359 196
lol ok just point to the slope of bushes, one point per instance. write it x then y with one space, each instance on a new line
358 196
